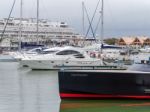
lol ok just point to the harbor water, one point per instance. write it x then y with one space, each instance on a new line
24 90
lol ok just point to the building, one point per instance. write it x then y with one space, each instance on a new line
134 41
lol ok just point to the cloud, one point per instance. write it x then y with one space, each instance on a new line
119 14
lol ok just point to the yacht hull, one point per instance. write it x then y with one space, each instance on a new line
103 84
58 64
38 65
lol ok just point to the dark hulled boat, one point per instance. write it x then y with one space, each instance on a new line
104 84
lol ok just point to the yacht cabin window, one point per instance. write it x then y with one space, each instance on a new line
67 52
79 56
48 52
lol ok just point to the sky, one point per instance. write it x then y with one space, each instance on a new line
121 17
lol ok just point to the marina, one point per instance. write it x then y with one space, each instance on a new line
48 66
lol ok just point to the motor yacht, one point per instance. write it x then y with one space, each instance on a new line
108 51
145 50
61 57
19 55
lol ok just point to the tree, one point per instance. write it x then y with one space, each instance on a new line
111 41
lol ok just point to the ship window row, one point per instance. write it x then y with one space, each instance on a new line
34 25
12 25
43 36
10 32
1 23
33 28
31 32
8 24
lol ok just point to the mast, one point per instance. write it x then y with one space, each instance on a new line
20 24
83 25
102 25
37 21
3 32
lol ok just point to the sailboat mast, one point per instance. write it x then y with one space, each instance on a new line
37 20
102 24
20 24
83 25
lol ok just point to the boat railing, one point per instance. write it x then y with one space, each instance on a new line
102 67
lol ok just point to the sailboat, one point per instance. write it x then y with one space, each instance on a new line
99 48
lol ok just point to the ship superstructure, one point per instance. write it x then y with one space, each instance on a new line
48 31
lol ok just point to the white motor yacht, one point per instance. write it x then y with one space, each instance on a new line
19 55
145 50
109 51
65 56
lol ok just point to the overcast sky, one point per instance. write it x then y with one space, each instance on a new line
122 17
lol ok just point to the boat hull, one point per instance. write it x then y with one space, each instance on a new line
103 84
56 64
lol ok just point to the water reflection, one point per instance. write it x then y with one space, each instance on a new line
40 91
105 106
140 67
23 90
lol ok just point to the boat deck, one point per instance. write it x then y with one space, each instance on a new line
106 70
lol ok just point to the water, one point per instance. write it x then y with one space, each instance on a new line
7 58
24 90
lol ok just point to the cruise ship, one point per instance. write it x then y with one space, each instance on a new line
49 32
